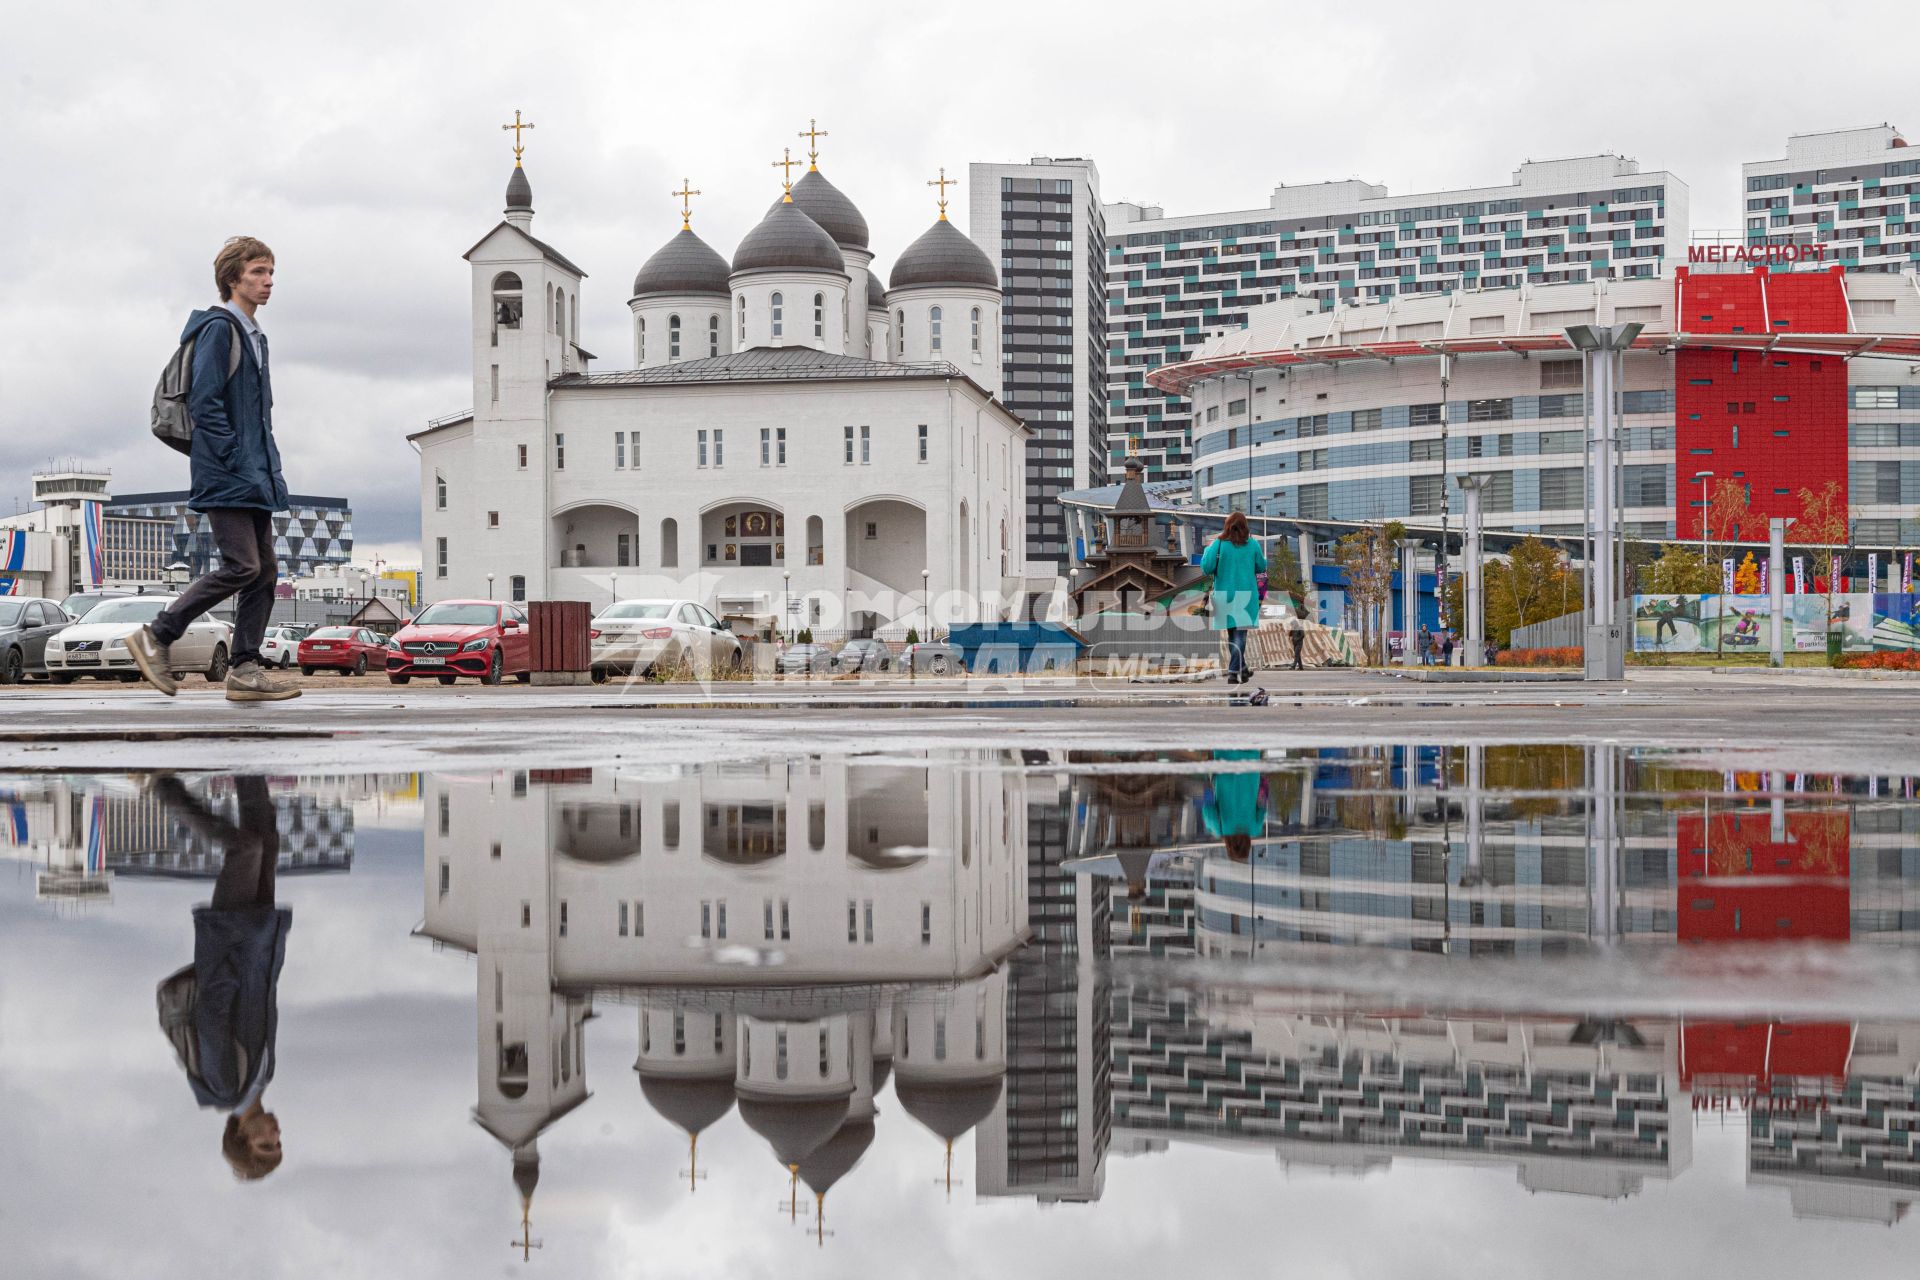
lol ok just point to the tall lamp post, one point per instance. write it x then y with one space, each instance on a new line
1603 349
489 586
1706 509
926 603
786 604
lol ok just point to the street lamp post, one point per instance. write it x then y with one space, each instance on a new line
1603 350
786 604
613 588
489 586
1706 508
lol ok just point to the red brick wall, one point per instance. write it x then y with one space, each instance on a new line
1774 420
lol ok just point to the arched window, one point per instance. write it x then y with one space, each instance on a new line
976 331
819 315
779 312
742 300
933 328
548 321
673 337
669 543
713 335
573 318
900 332
643 340
506 303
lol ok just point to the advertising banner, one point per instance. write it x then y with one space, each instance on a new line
13 559
1873 571
1799 575
1726 575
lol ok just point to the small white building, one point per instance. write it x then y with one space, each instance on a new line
794 443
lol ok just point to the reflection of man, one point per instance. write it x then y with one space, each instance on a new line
221 1012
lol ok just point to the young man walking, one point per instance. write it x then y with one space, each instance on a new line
237 484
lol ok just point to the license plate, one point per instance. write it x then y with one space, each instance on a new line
322 645
83 659
430 662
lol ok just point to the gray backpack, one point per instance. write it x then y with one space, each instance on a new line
172 424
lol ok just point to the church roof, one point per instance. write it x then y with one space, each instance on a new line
519 190
547 251
795 1129
1132 499
684 264
830 208
835 1158
943 256
788 240
765 364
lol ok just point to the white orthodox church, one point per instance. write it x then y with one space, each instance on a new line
794 443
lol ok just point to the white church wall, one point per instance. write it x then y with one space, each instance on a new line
705 330
796 291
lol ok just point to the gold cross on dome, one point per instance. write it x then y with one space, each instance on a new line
686 192
785 165
517 126
943 182
813 133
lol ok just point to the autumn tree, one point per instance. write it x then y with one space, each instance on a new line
1534 583
1368 557
1822 530
1682 571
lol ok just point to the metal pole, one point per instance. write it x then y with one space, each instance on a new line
1776 589
1440 560
1473 596
1586 487
1249 378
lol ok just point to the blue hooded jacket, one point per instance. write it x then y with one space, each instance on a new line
235 460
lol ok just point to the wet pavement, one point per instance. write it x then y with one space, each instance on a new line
1040 1004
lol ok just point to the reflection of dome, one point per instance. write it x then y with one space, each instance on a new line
943 256
684 264
887 859
837 1156
788 240
691 1104
948 1109
526 1172
590 831
794 1129
519 190
827 206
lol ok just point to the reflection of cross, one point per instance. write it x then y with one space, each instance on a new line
526 1244
947 1181
819 1228
785 165
693 1171
943 182
813 133
686 193
516 126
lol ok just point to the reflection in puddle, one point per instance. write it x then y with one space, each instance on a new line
1066 959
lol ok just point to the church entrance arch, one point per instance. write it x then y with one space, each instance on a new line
744 533
596 535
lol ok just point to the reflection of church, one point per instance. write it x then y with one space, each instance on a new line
795 933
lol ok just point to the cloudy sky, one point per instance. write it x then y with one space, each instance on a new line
362 142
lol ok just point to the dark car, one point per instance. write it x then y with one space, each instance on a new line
800 659
864 655
348 650
934 657
26 624
480 639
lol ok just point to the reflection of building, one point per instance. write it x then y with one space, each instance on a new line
795 932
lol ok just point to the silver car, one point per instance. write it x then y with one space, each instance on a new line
26 624
647 635
97 644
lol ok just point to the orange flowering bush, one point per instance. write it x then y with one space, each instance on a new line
1884 660
1561 656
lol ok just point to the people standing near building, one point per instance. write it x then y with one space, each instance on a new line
1446 649
237 483
1424 653
1234 561
1297 636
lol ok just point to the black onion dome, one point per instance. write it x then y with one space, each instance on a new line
788 240
943 256
519 190
828 206
876 296
684 264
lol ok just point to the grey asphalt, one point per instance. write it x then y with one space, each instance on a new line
1804 719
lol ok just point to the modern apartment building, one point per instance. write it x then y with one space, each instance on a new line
1853 192
1173 282
311 532
1042 223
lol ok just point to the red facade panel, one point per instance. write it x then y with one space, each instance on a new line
1736 883
1774 421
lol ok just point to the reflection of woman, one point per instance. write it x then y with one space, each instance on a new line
1235 807
1234 561
221 1012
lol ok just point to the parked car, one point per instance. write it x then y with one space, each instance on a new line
800 659
480 639
79 602
935 657
280 647
26 624
864 655
642 635
97 644
348 650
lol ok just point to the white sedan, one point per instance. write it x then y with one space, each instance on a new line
97 644
280 647
645 635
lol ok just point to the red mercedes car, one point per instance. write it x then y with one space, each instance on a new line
480 639
348 650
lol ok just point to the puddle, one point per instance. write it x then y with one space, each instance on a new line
859 1015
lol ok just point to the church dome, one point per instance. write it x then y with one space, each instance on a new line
830 208
943 256
949 1110
835 1158
691 1104
794 1129
684 264
788 240
876 296
519 190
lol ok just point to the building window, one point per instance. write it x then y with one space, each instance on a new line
873 530
866 445
900 332
523 457
923 442
975 337
780 446
620 450
673 337
700 439
719 446
493 519
819 315
713 335
625 552
848 441
439 557
517 588
742 309
779 310
766 446
559 451
439 492
494 380
643 340
933 328
669 544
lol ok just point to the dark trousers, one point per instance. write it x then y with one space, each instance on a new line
248 568
1236 650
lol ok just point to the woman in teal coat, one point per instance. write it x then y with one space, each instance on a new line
1235 562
